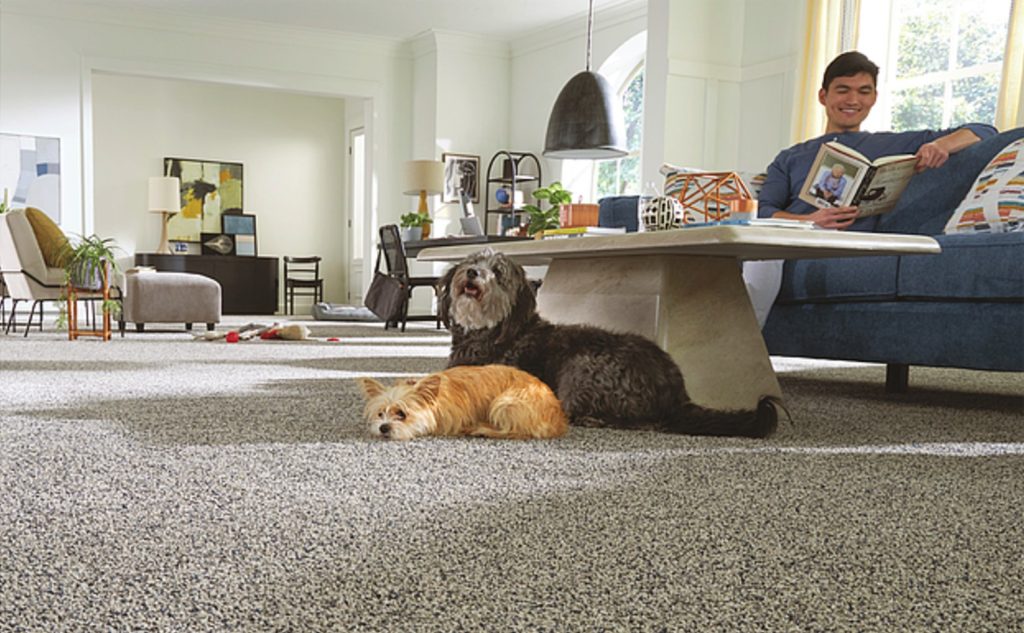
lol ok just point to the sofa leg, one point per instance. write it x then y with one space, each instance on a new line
897 378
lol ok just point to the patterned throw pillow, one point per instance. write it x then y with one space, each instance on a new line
52 241
995 202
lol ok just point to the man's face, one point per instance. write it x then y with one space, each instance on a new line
848 101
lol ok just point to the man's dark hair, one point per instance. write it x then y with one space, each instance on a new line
849 64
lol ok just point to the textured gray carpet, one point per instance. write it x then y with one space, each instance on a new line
155 483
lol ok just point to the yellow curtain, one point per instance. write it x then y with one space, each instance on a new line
1010 109
823 40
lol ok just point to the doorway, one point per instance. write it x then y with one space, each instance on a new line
357 209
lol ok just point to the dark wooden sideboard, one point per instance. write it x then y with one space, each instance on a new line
249 285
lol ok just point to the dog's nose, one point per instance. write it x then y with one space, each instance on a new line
384 429
471 273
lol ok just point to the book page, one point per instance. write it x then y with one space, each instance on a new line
833 179
884 189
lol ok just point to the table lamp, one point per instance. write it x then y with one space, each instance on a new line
164 198
423 177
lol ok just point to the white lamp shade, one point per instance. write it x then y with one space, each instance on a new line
422 175
164 194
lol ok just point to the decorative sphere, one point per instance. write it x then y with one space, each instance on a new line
662 213
502 196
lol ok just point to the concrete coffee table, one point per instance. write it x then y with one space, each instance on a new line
684 290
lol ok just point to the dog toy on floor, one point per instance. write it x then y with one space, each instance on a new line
494 401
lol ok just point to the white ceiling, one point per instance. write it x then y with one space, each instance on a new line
401 19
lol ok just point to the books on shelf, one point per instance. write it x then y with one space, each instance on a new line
841 177
582 231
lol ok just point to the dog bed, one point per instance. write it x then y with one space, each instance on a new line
338 312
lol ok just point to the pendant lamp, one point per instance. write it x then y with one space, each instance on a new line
586 120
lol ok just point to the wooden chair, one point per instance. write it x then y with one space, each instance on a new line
398 267
302 278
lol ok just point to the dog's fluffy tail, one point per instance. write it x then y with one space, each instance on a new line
696 420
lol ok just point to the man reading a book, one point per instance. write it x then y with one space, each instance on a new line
848 92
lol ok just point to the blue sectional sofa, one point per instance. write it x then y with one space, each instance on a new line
961 308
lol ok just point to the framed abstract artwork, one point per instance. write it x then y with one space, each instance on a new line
209 189
461 172
241 226
30 173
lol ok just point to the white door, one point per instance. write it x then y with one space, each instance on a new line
357 210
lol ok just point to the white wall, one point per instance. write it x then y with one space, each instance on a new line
49 52
291 146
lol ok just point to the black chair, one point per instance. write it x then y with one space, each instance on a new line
302 278
398 267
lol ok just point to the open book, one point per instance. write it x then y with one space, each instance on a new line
841 177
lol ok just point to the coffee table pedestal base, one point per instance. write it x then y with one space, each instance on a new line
694 307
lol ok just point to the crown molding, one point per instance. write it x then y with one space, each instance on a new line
576 27
172 21
439 40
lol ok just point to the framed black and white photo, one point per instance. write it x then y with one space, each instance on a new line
461 172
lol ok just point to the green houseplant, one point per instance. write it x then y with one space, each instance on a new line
414 225
556 195
86 262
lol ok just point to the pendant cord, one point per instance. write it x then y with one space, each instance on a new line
590 31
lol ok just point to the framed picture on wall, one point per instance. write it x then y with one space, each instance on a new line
30 173
209 189
461 172
243 227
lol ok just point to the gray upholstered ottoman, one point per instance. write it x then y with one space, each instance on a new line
164 297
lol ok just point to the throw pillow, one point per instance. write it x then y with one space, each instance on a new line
995 202
52 241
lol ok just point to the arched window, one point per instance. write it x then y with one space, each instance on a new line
622 175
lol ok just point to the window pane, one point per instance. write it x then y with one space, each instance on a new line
974 99
606 178
629 175
924 36
917 108
633 108
982 32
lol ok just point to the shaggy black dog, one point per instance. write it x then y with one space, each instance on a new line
602 378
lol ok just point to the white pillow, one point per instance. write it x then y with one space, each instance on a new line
995 202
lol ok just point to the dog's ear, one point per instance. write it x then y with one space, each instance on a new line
524 307
444 294
371 388
429 387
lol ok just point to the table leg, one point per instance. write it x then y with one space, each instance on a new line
694 307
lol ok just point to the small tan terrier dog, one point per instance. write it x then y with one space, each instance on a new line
489 401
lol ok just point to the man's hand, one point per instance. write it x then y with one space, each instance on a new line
832 217
930 156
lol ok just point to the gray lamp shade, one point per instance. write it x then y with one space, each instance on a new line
586 121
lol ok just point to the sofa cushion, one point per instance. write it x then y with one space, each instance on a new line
976 266
995 202
930 198
618 211
839 279
52 242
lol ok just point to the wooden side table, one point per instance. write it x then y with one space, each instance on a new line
73 330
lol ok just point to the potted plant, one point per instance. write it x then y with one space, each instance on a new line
415 226
556 195
89 264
